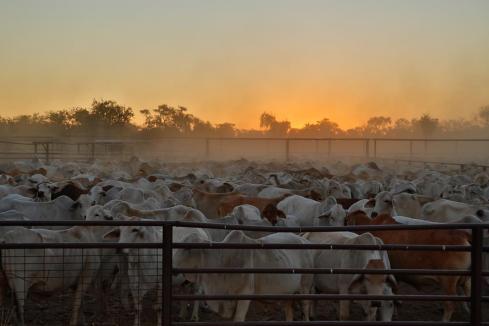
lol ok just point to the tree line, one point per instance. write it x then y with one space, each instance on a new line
107 118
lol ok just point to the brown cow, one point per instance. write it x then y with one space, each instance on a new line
70 189
424 259
208 202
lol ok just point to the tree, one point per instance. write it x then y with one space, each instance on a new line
225 129
484 115
427 125
266 120
378 126
275 128
111 114
170 120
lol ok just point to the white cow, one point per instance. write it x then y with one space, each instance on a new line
443 210
371 284
61 208
249 283
144 265
52 270
312 213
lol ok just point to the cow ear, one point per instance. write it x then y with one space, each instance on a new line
115 234
370 203
356 283
107 188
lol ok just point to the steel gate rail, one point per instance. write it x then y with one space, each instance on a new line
476 272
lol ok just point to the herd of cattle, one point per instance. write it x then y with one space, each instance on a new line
238 192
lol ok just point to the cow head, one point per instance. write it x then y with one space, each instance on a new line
272 214
383 204
335 216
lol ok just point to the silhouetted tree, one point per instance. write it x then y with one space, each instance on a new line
275 128
225 130
427 125
378 126
484 115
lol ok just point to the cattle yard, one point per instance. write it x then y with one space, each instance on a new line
130 257
164 271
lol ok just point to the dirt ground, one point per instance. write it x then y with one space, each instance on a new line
56 310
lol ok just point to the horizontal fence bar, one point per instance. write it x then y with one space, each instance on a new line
220 245
322 271
353 228
315 297
324 323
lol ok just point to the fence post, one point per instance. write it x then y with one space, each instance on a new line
375 148
46 148
411 149
476 276
287 149
367 148
167 269
329 148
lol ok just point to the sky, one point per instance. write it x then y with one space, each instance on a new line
231 60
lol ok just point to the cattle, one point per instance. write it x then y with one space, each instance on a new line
226 205
249 283
52 270
355 259
208 203
61 208
405 204
144 264
443 210
69 189
424 259
309 212
215 186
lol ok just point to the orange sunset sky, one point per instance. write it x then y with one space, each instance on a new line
231 60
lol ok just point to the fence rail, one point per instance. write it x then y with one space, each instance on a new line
414 150
167 269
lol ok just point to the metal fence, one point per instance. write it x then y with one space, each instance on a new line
458 151
166 269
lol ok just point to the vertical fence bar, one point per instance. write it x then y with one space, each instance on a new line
476 276
411 149
46 147
367 148
329 147
167 270
375 148
316 143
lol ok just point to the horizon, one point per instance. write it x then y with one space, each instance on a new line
346 61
